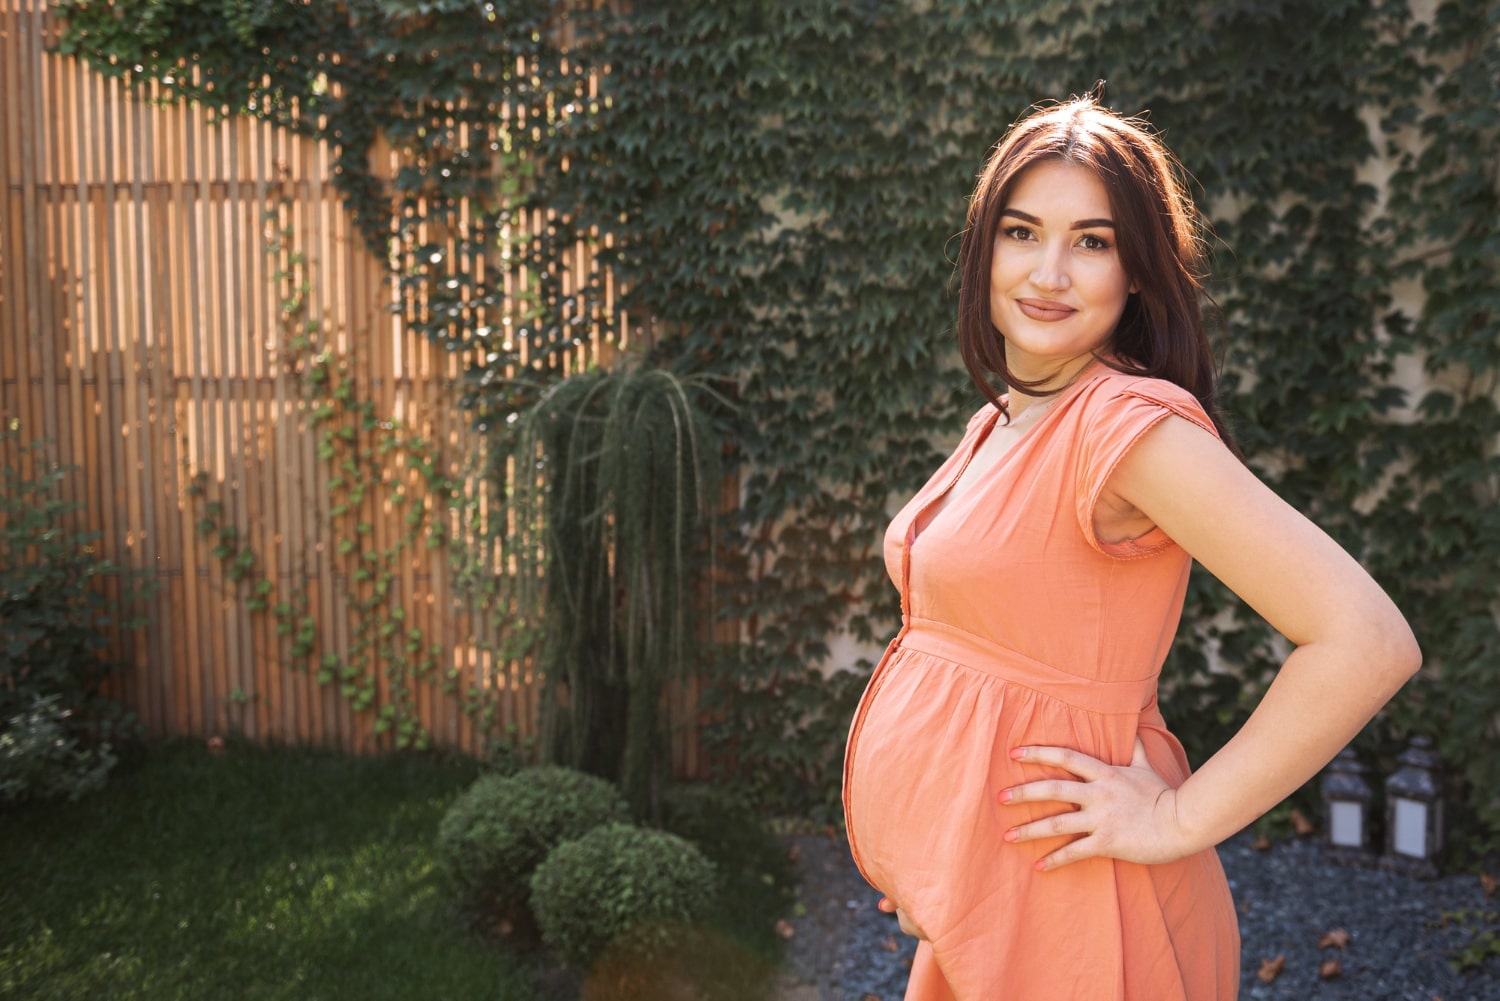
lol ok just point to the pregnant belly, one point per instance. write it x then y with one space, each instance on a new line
928 756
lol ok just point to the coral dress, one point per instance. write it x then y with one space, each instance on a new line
1020 627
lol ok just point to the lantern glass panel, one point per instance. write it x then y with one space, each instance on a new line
1411 828
1346 824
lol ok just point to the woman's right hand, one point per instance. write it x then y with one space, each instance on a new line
889 906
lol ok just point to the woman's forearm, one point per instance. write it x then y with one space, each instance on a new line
1321 698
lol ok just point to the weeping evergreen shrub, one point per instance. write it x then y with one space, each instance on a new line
616 475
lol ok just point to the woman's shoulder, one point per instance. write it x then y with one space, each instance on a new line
1111 384
1115 395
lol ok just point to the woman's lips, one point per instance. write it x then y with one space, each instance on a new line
1045 309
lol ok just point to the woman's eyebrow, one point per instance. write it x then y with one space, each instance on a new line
1080 224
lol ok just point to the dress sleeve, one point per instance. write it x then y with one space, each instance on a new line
1116 424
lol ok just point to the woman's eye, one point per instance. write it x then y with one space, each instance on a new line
1017 233
1091 242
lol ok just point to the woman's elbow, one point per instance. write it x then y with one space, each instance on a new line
1396 650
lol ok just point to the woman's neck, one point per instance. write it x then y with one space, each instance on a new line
1053 382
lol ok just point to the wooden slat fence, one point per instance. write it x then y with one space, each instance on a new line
141 337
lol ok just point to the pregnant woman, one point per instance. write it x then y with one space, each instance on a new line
1010 785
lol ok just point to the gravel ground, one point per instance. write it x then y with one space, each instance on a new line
1289 897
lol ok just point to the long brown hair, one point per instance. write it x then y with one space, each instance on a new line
1158 230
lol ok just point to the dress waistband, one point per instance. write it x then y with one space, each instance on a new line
953 644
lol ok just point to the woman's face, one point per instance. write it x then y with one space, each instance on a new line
1057 287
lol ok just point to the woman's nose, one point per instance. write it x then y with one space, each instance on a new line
1051 271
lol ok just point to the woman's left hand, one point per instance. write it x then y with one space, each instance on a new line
1125 812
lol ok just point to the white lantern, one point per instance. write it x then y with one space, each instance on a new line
1414 812
1346 808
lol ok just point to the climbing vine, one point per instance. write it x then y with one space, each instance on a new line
772 193
372 462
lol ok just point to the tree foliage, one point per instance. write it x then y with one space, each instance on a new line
778 187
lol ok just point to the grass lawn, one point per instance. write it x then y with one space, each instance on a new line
258 874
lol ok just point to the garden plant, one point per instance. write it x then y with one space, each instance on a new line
58 728
501 828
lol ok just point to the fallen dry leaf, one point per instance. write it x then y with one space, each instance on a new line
889 944
1488 882
1301 824
784 928
1270 969
794 853
1329 969
1335 937
1261 843
870 997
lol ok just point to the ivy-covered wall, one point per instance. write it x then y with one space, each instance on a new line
779 188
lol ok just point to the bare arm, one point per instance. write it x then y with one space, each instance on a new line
1354 650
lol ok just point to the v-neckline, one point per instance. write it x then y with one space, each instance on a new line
943 496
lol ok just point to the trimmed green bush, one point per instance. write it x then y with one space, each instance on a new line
495 835
631 886
41 758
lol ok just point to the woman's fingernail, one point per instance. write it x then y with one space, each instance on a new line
1018 753
1012 835
1041 865
1004 795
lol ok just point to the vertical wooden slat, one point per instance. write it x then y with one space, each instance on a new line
133 353
186 431
312 563
70 97
203 405
166 470
263 336
274 652
164 530
33 411
280 697
219 292
331 585
101 458
237 319
11 252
